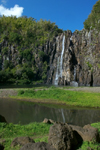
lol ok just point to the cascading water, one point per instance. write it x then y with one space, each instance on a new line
57 72
63 115
74 83
74 73
59 64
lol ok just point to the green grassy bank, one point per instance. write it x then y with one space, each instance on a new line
37 131
57 95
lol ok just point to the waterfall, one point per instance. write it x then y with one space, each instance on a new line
74 73
63 115
74 82
61 61
57 72
59 64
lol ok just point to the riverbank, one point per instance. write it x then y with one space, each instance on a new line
73 96
37 131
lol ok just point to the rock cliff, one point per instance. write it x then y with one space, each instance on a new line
71 58
80 64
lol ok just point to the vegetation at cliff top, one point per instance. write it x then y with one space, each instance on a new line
57 95
22 49
93 20
37 131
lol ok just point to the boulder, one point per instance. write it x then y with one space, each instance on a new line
48 121
2 119
1 147
21 141
37 146
88 133
62 137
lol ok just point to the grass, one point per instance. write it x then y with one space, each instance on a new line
37 131
57 95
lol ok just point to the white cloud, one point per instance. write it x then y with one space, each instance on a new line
15 11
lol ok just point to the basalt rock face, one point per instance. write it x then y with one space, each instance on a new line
71 59
81 63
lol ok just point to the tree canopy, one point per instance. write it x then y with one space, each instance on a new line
26 37
93 20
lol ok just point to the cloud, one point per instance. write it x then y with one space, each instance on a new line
15 11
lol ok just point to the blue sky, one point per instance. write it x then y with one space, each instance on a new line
67 14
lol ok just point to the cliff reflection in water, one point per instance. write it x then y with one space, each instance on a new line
26 112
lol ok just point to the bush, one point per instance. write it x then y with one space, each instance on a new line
5 51
20 92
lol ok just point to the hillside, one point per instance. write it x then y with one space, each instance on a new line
22 42
34 52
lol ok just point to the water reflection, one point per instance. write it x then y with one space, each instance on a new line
24 113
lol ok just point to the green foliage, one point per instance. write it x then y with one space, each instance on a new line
14 37
37 131
27 54
74 98
93 20
11 130
6 64
28 37
5 51
94 146
26 31
34 130
45 66
89 65
41 54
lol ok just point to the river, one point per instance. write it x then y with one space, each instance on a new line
22 112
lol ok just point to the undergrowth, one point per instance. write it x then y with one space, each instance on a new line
37 131
75 98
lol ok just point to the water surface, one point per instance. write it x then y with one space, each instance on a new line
16 111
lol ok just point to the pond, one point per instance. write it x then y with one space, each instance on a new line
22 112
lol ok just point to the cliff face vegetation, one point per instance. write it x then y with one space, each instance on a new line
38 51
22 44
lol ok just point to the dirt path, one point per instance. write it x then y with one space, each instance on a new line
13 92
86 89
8 92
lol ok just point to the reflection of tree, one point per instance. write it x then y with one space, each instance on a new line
30 112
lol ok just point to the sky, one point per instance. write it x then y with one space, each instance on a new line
67 14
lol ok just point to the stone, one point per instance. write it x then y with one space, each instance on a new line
1 147
48 121
21 141
88 133
37 146
62 137
2 119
